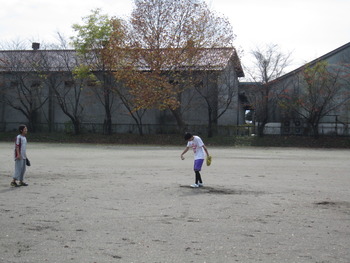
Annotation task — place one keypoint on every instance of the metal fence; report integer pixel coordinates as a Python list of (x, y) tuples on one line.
[(324, 129), (242, 130), (329, 129)]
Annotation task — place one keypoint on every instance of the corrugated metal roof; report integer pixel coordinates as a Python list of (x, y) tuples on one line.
[(62, 60), (313, 62)]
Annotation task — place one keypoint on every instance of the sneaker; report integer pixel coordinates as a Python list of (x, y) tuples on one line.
[(23, 184), (194, 185), (14, 184), (200, 185)]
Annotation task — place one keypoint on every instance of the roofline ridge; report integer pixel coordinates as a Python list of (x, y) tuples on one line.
[(314, 61)]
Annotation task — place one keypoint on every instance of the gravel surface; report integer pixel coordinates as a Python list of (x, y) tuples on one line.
[(99, 203)]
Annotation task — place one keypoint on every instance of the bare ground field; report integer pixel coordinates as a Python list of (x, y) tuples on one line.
[(99, 203)]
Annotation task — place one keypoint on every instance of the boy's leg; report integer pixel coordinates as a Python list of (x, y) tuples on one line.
[(198, 178), (16, 174), (20, 168), (197, 168), (23, 170)]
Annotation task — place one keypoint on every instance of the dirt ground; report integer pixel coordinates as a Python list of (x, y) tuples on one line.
[(98, 203)]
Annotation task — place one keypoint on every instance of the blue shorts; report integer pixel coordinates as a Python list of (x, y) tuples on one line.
[(198, 164)]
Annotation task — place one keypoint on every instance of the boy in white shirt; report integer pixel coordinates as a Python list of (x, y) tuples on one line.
[(20, 157), (199, 150)]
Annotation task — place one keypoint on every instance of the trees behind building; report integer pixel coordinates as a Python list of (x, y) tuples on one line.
[(148, 62)]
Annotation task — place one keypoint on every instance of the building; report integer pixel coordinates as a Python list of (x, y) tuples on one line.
[(40, 88), (299, 105)]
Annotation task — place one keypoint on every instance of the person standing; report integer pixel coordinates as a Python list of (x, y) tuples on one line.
[(199, 150), (20, 157)]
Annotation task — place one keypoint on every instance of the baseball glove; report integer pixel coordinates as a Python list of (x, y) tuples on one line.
[(208, 160), (27, 162)]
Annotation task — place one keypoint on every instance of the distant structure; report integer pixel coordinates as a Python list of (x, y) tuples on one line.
[(281, 121), (35, 46), (38, 88)]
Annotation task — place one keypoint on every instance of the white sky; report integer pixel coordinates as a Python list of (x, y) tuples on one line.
[(307, 28)]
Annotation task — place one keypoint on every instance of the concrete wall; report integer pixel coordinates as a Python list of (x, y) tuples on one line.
[(193, 106)]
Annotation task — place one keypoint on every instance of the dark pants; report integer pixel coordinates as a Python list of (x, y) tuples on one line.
[(198, 178)]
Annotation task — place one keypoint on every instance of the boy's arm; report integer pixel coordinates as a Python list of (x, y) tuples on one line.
[(206, 150), (185, 151), (18, 144), (18, 153)]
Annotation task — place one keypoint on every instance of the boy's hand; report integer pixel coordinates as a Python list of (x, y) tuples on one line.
[(182, 157)]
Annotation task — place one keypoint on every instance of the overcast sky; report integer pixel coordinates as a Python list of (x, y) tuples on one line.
[(307, 28)]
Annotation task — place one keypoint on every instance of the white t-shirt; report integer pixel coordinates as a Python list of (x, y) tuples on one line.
[(197, 145), (21, 141)]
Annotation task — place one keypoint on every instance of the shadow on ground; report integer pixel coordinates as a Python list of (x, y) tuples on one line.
[(221, 190)]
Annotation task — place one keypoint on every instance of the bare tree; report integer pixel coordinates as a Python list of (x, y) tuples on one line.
[(128, 102), (269, 63), (65, 84), (22, 87), (218, 89), (317, 91)]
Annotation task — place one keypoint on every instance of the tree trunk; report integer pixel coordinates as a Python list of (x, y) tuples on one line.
[(77, 127), (107, 124), (315, 131), (139, 126), (178, 117), (210, 123), (32, 121), (261, 128)]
